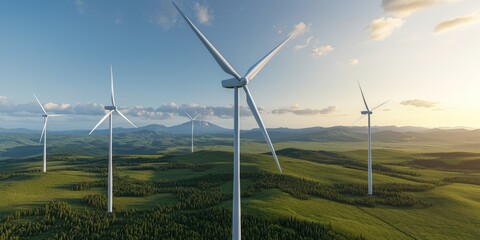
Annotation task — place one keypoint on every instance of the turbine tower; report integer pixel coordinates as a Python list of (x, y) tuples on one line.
[(192, 120), (369, 112), (45, 116), (109, 115), (239, 82)]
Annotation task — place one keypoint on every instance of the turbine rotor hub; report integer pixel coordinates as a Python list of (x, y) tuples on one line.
[(243, 81)]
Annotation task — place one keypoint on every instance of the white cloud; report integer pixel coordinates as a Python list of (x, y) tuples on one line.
[(381, 28), (88, 109), (419, 103), (204, 15), (3, 100), (354, 61), (300, 28), (301, 46), (404, 8), (297, 110), (166, 16), (164, 111), (170, 110), (57, 107), (453, 23), (322, 50)]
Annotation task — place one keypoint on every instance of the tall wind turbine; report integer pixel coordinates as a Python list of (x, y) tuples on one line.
[(45, 116), (192, 120), (236, 83), (369, 112), (109, 115)]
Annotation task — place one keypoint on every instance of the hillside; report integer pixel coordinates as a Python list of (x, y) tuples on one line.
[(320, 195)]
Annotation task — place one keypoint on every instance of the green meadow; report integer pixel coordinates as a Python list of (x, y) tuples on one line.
[(420, 192)]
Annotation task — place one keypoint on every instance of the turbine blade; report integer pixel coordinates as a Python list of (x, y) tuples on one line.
[(358, 119), (123, 116), (364, 101), (111, 85), (380, 105), (40, 104), (188, 115), (256, 114), (218, 57), (55, 115), (44, 129), (101, 121), (195, 117), (260, 64)]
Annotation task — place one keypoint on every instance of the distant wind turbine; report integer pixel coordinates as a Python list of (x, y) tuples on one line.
[(236, 83), (192, 120), (109, 115), (368, 112), (45, 116)]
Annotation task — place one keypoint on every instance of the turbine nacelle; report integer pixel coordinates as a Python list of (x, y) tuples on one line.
[(366, 112), (110, 108), (44, 115), (234, 83)]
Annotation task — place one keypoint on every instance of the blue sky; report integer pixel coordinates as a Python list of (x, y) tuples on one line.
[(422, 55)]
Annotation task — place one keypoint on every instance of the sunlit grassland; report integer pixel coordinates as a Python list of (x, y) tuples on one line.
[(454, 212)]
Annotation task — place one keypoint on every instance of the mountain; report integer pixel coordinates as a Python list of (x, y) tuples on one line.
[(20, 143), (200, 127), (19, 130), (154, 128)]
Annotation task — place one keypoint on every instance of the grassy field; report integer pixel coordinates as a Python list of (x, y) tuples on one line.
[(440, 210)]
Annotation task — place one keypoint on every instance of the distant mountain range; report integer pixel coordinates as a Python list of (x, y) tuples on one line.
[(20, 143), (338, 133), (184, 128)]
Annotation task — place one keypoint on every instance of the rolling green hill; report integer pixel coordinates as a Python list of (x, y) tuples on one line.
[(322, 193)]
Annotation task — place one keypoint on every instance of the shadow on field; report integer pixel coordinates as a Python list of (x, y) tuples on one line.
[(21, 151)]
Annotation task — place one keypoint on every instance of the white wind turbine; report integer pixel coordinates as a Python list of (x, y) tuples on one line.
[(109, 114), (45, 116), (192, 120), (368, 112), (236, 83)]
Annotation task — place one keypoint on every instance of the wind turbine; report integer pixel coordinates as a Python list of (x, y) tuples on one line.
[(45, 116), (192, 120), (369, 112), (236, 83), (109, 115)]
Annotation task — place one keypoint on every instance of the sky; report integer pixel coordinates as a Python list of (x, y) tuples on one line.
[(422, 56)]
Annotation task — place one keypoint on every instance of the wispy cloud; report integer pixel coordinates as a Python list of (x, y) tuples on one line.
[(419, 103), (453, 23), (381, 28), (80, 4), (322, 50), (297, 110), (300, 28), (404, 8), (354, 61), (301, 46), (203, 13), (166, 15), (118, 18)]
